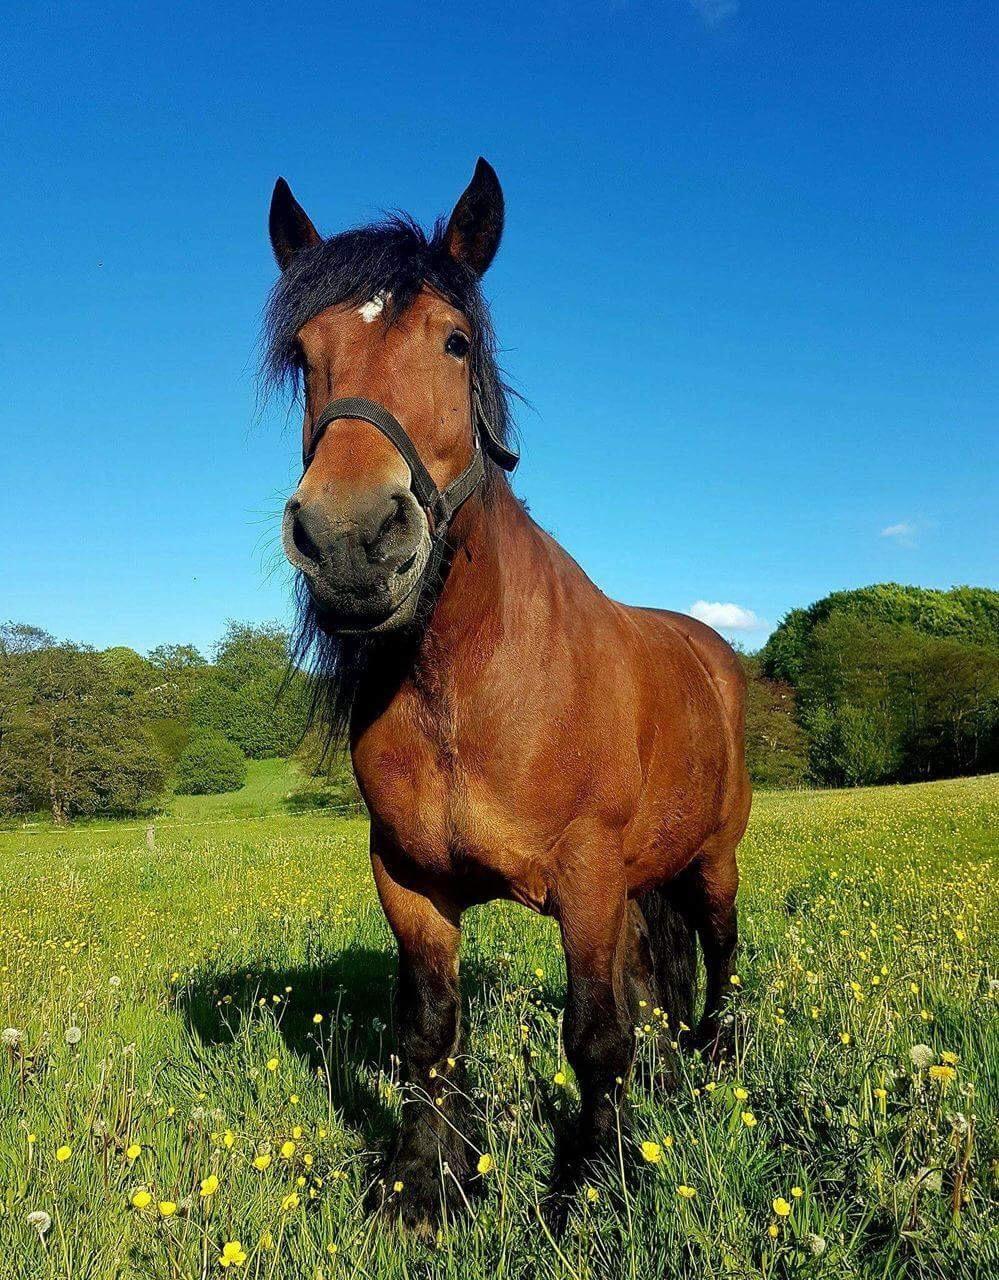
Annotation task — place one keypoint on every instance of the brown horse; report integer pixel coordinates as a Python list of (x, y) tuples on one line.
[(514, 732)]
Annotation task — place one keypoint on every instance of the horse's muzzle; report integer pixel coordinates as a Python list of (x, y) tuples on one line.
[(362, 567)]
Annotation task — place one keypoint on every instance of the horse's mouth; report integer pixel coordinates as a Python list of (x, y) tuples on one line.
[(393, 607)]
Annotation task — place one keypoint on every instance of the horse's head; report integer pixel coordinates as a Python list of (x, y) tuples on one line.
[(391, 317)]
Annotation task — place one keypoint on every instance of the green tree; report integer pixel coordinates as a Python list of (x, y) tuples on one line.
[(210, 764), (776, 746), (71, 745)]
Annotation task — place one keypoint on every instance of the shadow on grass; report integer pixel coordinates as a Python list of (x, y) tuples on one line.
[(354, 992)]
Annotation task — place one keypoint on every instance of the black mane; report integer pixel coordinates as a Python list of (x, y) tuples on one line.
[(395, 257)]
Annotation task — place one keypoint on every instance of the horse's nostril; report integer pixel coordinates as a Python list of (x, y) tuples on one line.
[(303, 542)]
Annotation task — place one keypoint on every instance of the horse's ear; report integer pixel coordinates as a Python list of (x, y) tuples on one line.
[(290, 226), (476, 226)]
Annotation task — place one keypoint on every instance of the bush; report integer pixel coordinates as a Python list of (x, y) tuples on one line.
[(210, 764)]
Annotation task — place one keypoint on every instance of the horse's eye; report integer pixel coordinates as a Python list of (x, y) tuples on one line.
[(457, 345)]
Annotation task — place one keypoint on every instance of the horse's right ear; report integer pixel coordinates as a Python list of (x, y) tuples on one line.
[(290, 226)]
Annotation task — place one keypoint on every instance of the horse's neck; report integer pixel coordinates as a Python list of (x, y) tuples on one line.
[(490, 571)]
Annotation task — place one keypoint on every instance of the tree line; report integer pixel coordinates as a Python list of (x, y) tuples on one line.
[(882, 684), (86, 732)]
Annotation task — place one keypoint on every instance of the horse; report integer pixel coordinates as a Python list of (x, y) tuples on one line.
[(514, 732)]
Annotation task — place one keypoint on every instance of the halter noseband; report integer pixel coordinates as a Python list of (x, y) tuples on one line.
[(439, 505)]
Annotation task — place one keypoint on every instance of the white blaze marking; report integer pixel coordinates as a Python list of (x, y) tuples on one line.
[(373, 309)]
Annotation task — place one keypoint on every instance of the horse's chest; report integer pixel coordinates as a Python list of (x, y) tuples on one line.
[(446, 819)]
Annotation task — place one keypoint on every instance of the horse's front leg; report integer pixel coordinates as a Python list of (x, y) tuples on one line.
[(429, 1166), (598, 1030)]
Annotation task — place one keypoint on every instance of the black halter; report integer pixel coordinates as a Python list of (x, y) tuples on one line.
[(440, 505)]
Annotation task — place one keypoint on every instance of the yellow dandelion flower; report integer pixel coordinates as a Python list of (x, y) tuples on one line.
[(652, 1152), (773, 1231), (950, 1058), (233, 1254), (141, 1198), (167, 1208), (133, 1152), (749, 1120), (559, 1078), (943, 1074), (485, 1163), (592, 1195), (685, 1192), (782, 1207), (209, 1185), (272, 1064), (287, 1149), (398, 1185), (741, 1093), (844, 1037), (797, 1193), (228, 1139), (289, 1202), (261, 1162)]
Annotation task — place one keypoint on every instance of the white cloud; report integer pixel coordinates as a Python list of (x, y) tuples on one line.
[(725, 617), (714, 12), (902, 534)]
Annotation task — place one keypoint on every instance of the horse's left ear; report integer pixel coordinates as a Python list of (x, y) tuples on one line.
[(476, 226)]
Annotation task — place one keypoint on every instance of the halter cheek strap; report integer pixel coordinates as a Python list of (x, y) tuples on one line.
[(440, 505)]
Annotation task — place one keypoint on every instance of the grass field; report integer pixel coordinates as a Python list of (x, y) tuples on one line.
[(170, 1093)]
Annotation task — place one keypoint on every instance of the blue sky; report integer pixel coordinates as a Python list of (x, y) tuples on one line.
[(746, 286)]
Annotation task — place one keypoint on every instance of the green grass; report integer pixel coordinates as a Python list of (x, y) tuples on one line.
[(269, 785), (870, 930)]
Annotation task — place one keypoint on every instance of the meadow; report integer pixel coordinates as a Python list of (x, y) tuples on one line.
[(196, 1070)]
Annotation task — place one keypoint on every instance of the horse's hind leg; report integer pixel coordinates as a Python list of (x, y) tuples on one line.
[(430, 1162), (711, 885)]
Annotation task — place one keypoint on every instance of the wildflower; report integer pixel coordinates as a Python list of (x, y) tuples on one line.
[(40, 1220), (539, 973), (740, 1093), (796, 1193), (232, 1255), (267, 1241), (485, 1164), (141, 1198), (652, 1152), (942, 1074), (114, 981), (559, 1078), (921, 1055), (209, 1186), (782, 1207), (289, 1202), (685, 1192), (167, 1208), (951, 1059), (287, 1149), (228, 1138), (881, 1094), (272, 1064), (133, 1152), (749, 1120), (816, 1244), (735, 980), (73, 1035), (317, 1018), (261, 1162), (592, 1195), (63, 1153), (844, 1037), (773, 1231), (398, 1185)]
